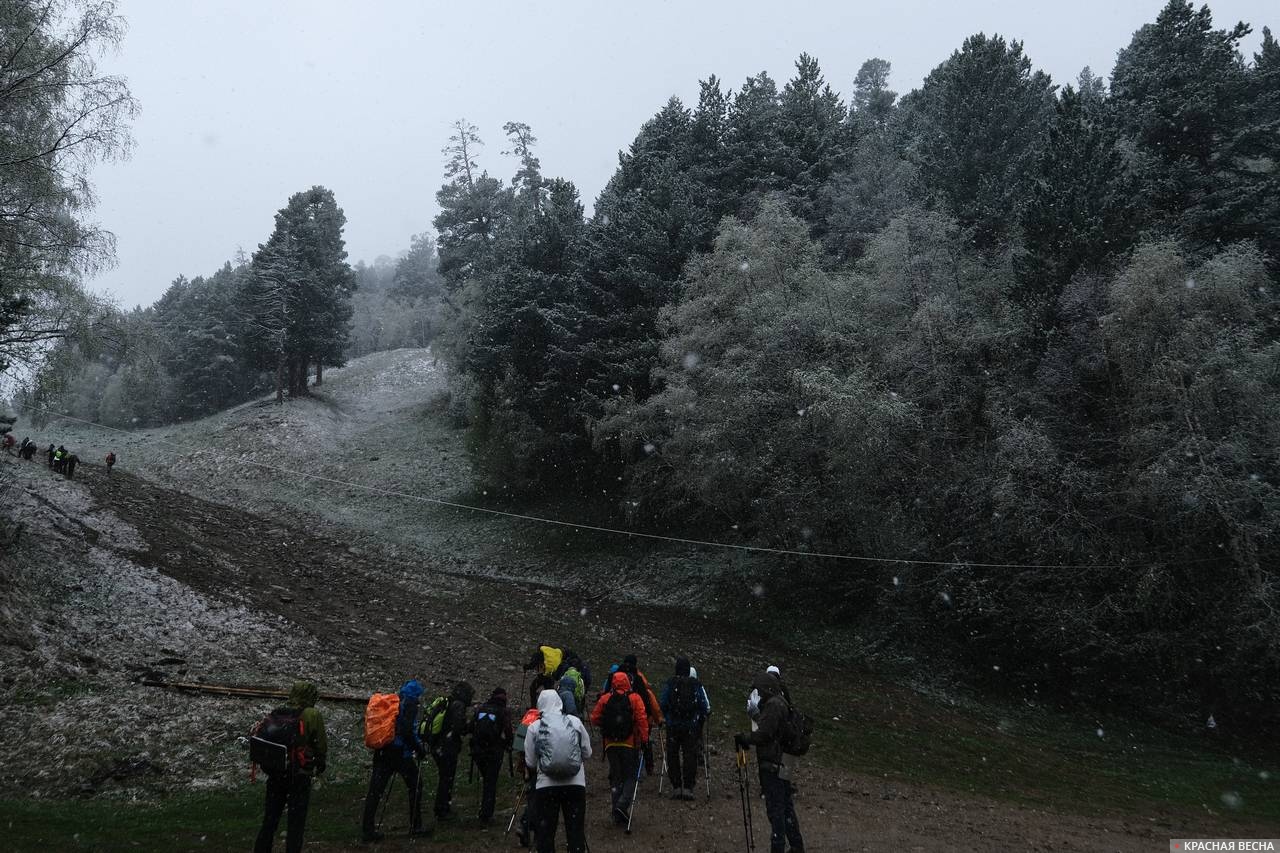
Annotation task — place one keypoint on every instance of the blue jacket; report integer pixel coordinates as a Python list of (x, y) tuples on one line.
[(701, 706), (407, 740)]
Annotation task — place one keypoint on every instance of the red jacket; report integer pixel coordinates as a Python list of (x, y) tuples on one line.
[(640, 728)]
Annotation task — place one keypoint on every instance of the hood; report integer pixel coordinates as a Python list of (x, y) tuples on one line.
[(630, 664), (549, 700), (411, 691), (682, 667), (620, 681), (462, 692), (767, 685), (303, 694), (693, 672), (498, 696)]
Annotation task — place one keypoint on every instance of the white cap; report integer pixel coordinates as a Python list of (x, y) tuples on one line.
[(693, 672), (775, 671)]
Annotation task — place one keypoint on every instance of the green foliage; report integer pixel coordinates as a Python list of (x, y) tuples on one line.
[(977, 125)]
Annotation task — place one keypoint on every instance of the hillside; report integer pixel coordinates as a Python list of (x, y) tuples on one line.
[(197, 560)]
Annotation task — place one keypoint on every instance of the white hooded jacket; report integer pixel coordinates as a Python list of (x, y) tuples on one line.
[(552, 713)]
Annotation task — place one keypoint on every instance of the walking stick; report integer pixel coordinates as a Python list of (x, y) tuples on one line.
[(519, 799), (706, 761), (744, 789), (663, 775), (635, 794)]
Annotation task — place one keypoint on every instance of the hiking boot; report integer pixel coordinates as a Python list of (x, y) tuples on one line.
[(522, 838), (677, 793), (688, 794)]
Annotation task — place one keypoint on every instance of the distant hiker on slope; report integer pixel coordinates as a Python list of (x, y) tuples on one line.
[(556, 749), (448, 746), (69, 465), (59, 457), (290, 787), (624, 726), (400, 756), (111, 462), (8, 442), (775, 776), (51, 453), (685, 706), (491, 738)]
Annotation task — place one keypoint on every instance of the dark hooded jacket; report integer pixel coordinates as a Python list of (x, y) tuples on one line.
[(457, 719), (767, 739), (675, 719), (302, 697)]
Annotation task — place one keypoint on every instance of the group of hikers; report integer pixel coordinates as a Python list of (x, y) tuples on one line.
[(548, 745), (60, 459)]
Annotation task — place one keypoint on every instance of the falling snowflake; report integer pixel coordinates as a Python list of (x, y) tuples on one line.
[(582, 612), (691, 360), (1101, 733), (946, 598), (650, 449), (1190, 283), (895, 580), (758, 590), (745, 266), (616, 388), (1232, 800)]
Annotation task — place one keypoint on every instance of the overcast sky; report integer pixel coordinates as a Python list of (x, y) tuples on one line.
[(245, 102)]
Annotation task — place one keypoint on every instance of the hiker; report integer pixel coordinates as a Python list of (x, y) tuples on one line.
[(545, 664), (685, 706), (624, 726), (701, 738), (111, 461), (753, 700), (292, 790), (491, 738), (775, 776), (402, 756), (51, 453), (572, 684), (448, 745), (69, 465), (651, 705), (556, 749), (8, 443), (530, 778), (59, 456)]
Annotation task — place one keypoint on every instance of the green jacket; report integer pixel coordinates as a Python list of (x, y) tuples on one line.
[(315, 743)]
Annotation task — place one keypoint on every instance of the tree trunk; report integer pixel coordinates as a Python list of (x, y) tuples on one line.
[(280, 379), (319, 373)]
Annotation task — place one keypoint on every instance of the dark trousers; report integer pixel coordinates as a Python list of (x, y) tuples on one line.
[(624, 762), (779, 805), (282, 792), (682, 758), (549, 803), (384, 768), (446, 770), (490, 767)]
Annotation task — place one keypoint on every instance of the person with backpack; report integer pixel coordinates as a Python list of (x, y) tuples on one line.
[(491, 738), (530, 717), (111, 461), (651, 705), (447, 746), (556, 749), (624, 725), (59, 456), (545, 665), (51, 452), (69, 465), (299, 728), (401, 756), (685, 706), (775, 777)]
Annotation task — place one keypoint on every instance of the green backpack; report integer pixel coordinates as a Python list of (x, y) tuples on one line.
[(432, 724)]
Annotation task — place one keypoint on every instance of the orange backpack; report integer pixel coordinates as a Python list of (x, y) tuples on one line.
[(380, 720)]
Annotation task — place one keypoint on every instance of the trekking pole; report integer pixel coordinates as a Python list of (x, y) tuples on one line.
[(744, 790), (663, 775), (519, 799), (706, 761), (635, 793)]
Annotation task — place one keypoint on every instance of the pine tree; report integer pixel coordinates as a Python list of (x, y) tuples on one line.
[(812, 133), (978, 123)]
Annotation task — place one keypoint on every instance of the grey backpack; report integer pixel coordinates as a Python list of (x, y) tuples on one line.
[(558, 748)]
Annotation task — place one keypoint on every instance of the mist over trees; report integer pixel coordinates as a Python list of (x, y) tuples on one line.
[(993, 321)]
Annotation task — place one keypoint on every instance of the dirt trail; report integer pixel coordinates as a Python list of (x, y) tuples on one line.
[(375, 617)]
